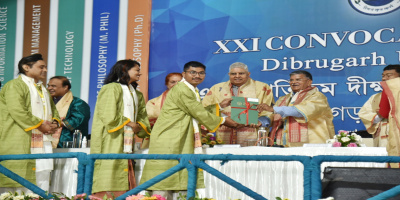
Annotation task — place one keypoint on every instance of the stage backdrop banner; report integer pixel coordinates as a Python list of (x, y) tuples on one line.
[(104, 45), (344, 44), (36, 28), (8, 18), (70, 42), (138, 38)]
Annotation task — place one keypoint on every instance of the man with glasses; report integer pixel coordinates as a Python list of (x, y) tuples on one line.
[(240, 85), (177, 130), (375, 124), (302, 116)]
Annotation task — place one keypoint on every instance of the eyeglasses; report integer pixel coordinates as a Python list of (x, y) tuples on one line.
[(194, 73)]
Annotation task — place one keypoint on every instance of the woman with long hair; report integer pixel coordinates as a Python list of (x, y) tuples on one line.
[(119, 114)]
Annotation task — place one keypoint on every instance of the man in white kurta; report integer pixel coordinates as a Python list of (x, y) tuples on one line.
[(241, 85), (302, 116), (369, 115)]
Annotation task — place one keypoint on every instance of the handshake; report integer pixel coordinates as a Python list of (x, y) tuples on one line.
[(48, 127)]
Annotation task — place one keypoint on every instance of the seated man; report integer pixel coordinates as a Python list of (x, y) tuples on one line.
[(375, 124), (74, 112), (241, 85), (302, 116)]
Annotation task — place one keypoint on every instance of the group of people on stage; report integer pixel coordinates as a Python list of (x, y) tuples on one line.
[(35, 119)]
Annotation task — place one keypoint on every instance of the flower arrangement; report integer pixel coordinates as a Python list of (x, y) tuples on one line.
[(32, 196), (132, 197), (211, 140), (346, 139), (145, 197), (16, 196), (60, 196)]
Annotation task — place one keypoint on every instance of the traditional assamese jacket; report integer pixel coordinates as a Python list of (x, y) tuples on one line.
[(315, 126), (173, 133), (367, 114), (154, 106), (108, 137), (16, 125), (251, 89), (392, 90)]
